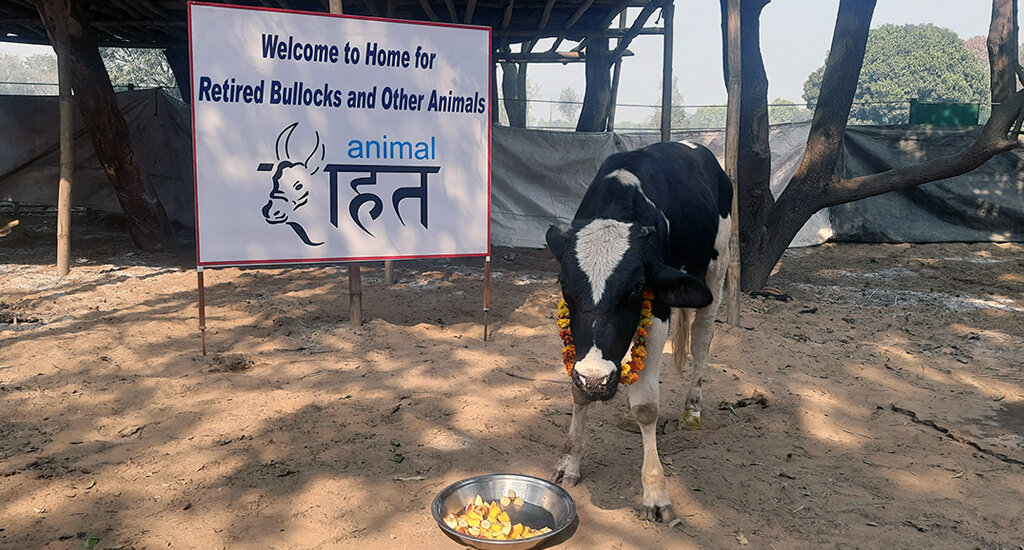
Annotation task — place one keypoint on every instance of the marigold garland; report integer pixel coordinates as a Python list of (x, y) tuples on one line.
[(631, 368)]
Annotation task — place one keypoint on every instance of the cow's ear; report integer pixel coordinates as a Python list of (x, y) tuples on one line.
[(558, 241), (676, 288)]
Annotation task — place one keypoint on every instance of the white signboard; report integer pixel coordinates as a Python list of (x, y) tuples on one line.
[(323, 138)]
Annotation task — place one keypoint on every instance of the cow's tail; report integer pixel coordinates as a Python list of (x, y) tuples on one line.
[(681, 320)]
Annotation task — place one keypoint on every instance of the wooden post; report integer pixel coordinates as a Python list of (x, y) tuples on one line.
[(355, 279), (202, 306), (732, 140), (616, 72), (67, 151), (355, 294), (487, 294), (667, 12), (389, 272), (96, 102)]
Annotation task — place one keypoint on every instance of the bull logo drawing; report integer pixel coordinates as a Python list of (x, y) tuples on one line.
[(293, 179)]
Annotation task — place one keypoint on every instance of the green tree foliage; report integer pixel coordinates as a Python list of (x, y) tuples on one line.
[(35, 69), (783, 110), (137, 68), (569, 104), (712, 116), (678, 114), (906, 62)]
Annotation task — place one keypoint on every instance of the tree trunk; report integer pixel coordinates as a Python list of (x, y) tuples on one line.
[(815, 185), (802, 196), (753, 175), (147, 222), (598, 94), (1002, 49), (515, 103)]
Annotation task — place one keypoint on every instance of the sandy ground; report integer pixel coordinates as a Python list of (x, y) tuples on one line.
[(894, 381)]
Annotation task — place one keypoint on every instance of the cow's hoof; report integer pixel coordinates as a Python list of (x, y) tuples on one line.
[(565, 480), (689, 420), (664, 514)]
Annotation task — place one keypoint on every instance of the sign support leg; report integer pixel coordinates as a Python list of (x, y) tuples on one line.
[(202, 307), (487, 294), (355, 294)]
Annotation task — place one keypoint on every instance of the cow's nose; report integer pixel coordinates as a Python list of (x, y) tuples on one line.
[(596, 388)]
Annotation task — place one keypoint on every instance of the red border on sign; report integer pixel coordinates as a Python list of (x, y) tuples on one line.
[(290, 261)]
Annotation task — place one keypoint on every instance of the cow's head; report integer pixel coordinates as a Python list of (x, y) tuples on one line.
[(605, 265), (292, 178)]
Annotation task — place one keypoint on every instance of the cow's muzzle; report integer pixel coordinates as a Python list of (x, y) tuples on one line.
[(274, 211), (596, 389)]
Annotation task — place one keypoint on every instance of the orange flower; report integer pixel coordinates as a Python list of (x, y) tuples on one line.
[(637, 354)]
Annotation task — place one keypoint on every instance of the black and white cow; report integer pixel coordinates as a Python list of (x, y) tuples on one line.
[(655, 217)]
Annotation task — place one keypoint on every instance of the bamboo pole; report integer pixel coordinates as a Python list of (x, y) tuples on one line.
[(667, 12), (732, 139), (67, 152)]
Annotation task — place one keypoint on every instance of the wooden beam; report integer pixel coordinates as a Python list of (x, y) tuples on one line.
[(732, 142), (546, 57), (67, 150), (579, 13), (635, 29), (425, 5), (546, 16), (666, 71), (508, 14), (616, 72), (572, 21)]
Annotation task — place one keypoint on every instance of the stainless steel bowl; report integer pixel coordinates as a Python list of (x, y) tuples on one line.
[(545, 504)]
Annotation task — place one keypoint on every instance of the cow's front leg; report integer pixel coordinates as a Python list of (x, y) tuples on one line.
[(643, 403), (567, 471)]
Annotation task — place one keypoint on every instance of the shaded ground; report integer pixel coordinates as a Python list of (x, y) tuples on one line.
[(300, 431)]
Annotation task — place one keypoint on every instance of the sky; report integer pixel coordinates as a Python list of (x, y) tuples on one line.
[(795, 36)]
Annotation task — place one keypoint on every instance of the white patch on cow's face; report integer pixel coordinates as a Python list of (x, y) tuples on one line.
[(689, 144), (594, 366), (600, 247)]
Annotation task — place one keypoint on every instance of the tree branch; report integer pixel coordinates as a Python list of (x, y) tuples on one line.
[(998, 135)]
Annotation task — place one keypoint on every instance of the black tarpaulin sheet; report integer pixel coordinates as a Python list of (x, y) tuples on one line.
[(986, 204)]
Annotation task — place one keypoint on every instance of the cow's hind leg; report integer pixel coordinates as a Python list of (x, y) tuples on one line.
[(703, 329), (567, 471), (643, 403)]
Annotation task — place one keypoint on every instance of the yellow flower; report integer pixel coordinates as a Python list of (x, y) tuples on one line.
[(563, 323)]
